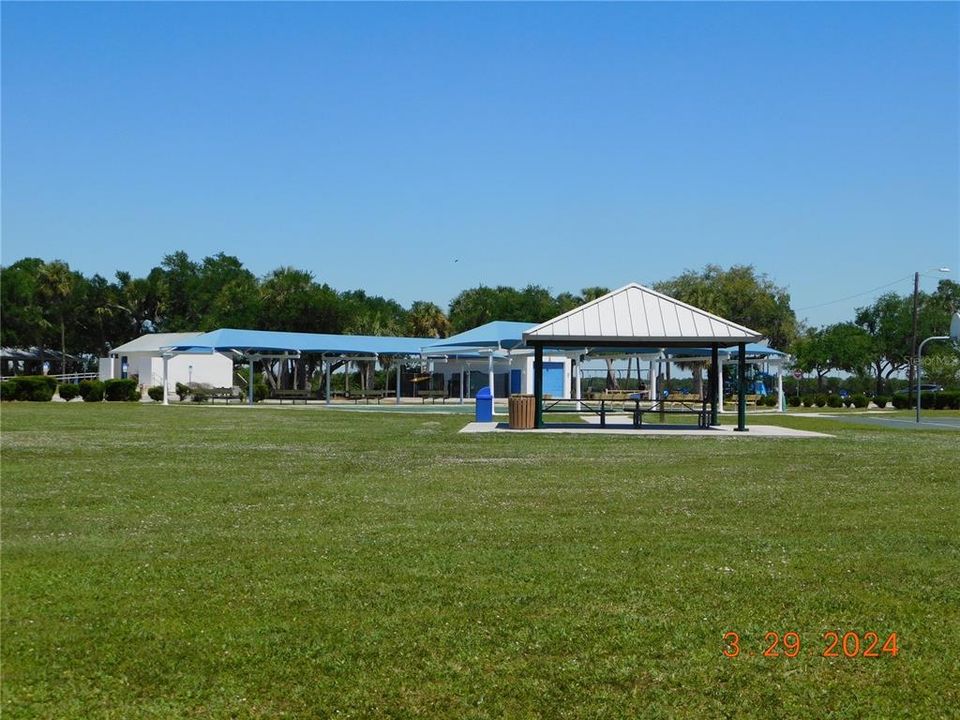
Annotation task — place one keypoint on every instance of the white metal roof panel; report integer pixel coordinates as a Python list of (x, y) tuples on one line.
[(638, 314)]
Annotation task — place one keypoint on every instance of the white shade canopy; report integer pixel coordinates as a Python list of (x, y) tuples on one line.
[(638, 316)]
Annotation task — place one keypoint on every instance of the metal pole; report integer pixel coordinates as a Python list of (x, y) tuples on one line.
[(913, 341), (461, 382), (781, 400), (579, 380), (538, 384), (166, 391), (250, 383), (326, 364), (712, 381), (741, 387), (490, 377), (398, 383)]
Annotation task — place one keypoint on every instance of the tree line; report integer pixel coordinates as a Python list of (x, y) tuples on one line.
[(46, 304)]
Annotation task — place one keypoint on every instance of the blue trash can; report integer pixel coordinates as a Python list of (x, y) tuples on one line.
[(484, 411)]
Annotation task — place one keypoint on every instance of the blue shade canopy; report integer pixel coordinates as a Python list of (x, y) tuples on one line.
[(500, 334), (267, 341), (755, 350)]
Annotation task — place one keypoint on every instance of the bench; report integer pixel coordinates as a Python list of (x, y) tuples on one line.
[(433, 395), (660, 408), (292, 394), (600, 407), (366, 395), (223, 393)]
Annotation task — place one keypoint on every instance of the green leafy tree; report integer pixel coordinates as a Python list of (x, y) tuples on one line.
[(738, 294), (56, 286)]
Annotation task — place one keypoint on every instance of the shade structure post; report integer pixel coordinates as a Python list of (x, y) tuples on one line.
[(326, 373), (579, 381), (720, 385), (166, 390), (461, 382), (712, 383), (781, 400), (538, 384), (652, 384), (493, 395), (398, 382), (741, 387), (250, 382)]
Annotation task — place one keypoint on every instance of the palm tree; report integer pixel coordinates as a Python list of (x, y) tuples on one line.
[(56, 287), (424, 319)]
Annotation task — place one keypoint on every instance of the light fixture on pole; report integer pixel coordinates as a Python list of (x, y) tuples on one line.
[(954, 336), (916, 316)]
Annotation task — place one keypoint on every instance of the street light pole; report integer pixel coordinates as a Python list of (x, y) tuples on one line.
[(913, 343), (916, 316)]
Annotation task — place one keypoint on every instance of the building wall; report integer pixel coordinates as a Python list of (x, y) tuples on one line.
[(215, 370)]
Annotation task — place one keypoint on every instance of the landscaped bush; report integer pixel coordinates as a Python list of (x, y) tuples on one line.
[(6, 390), (859, 401), (834, 401), (759, 401), (807, 400), (881, 401), (794, 401), (820, 400), (901, 402), (199, 395), (183, 391), (156, 393), (770, 401), (68, 391), (91, 390), (118, 390), (260, 391), (33, 388), (947, 400)]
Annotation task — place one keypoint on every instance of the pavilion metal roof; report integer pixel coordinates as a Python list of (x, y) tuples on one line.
[(154, 342), (268, 341), (635, 315), (500, 334)]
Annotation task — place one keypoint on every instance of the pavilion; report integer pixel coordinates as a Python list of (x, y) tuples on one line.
[(634, 318)]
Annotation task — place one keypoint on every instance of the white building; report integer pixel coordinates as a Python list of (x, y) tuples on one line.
[(143, 359)]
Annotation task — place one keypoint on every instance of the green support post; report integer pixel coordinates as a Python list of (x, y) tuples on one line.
[(538, 385), (713, 383), (741, 387)]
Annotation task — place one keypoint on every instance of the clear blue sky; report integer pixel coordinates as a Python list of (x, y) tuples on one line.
[(565, 145)]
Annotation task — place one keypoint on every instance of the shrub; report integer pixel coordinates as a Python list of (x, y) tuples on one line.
[(199, 395), (156, 393), (121, 390), (860, 400), (900, 402), (770, 401), (91, 390), (183, 391), (834, 401), (68, 391), (759, 401), (6, 390), (820, 400), (260, 391), (33, 388), (946, 400), (794, 401), (881, 401), (807, 400)]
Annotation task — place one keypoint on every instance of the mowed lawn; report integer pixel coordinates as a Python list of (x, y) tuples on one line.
[(226, 562)]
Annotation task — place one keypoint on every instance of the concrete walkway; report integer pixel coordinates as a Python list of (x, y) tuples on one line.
[(592, 427)]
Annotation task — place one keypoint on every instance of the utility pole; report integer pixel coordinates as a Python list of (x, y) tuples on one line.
[(913, 343)]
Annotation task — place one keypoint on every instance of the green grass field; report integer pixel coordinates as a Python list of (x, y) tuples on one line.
[(194, 562)]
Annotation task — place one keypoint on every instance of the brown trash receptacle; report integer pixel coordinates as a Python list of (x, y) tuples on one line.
[(521, 412)]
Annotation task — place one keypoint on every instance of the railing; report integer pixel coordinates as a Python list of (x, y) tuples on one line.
[(65, 378)]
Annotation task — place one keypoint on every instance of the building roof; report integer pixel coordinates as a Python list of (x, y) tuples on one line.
[(153, 342), (500, 334), (269, 341), (638, 316)]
